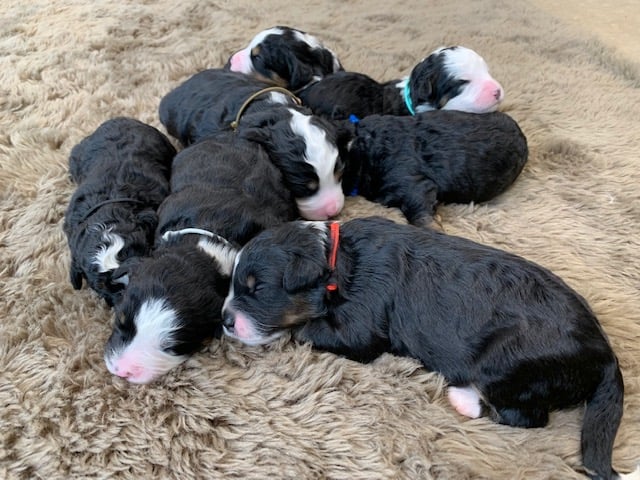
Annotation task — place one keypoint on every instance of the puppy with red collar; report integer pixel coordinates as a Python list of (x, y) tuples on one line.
[(512, 339)]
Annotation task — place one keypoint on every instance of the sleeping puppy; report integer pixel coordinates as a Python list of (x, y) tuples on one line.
[(304, 147), (450, 78), (512, 339), (123, 173), (285, 56), (442, 156), (224, 190)]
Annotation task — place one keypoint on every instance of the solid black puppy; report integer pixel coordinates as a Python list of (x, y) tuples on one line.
[(441, 156), (451, 78), (224, 190), (511, 338), (123, 174), (285, 56), (304, 147)]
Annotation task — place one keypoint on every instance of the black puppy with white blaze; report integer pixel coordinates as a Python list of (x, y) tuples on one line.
[(450, 78), (123, 173), (303, 146), (285, 56), (442, 156), (512, 339), (224, 190)]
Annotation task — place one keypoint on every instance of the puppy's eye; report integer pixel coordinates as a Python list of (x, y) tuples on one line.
[(255, 51), (312, 185)]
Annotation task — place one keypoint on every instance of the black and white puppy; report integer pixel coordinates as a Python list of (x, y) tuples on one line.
[(123, 173), (303, 146), (224, 190), (450, 78), (285, 56), (512, 339), (415, 162)]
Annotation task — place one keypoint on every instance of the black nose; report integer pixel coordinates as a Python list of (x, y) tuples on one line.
[(227, 319)]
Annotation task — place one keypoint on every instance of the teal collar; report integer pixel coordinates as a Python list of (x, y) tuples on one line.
[(407, 98)]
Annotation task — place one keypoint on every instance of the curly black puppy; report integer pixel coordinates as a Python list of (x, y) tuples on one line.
[(303, 146), (449, 78), (512, 339), (224, 190), (123, 173), (442, 156)]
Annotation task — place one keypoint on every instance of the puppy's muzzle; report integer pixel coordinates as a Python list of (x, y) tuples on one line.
[(228, 320)]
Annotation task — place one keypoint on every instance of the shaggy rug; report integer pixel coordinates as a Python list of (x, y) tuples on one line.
[(286, 411)]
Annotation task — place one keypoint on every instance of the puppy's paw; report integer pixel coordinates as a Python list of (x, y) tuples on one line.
[(465, 400)]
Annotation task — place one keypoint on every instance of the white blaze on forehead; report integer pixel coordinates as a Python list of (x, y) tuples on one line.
[(230, 295), (259, 38), (144, 358), (106, 258), (319, 152), (322, 155), (465, 63)]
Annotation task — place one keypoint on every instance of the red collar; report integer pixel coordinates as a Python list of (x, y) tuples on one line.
[(334, 231)]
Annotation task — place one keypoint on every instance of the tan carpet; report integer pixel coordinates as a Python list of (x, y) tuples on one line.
[(286, 411)]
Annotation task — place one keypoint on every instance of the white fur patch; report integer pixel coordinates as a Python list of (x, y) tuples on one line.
[(281, 98), (224, 253), (144, 358), (106, 256), (465, 400), (230, 295), (322, 155)]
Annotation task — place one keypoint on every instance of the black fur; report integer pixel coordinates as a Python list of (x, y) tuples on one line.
[(123, 174), (223, 185), (414, 163), (479, 316), (283, 59), (208, 102)]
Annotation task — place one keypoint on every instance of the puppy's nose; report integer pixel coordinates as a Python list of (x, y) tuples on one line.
[(228, 319), (498, 94)]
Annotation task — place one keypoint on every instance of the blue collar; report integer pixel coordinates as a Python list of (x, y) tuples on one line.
[(407, 98)]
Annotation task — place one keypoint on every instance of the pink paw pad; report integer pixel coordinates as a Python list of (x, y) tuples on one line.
[(465, 400)]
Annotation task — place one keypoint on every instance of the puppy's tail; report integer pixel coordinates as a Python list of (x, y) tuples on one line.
[(600, 425)]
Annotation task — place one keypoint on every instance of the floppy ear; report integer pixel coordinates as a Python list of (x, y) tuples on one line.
[(76, 275), (422, 80), (302, 273), (301, 73)]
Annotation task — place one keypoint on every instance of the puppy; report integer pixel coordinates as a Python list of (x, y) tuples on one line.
[(123, 174), (304, 147), (414, 163), (224, 190), (512, 339), (285, 56), (450, 78)]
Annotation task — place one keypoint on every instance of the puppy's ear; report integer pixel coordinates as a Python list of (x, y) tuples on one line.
[(149, 221), (76, 275), (423, 79), (302, 273)]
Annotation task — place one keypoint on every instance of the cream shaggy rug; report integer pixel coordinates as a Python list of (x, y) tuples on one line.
[(285, 411)]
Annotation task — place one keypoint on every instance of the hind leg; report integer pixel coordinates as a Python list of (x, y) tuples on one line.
[(465, 400)]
